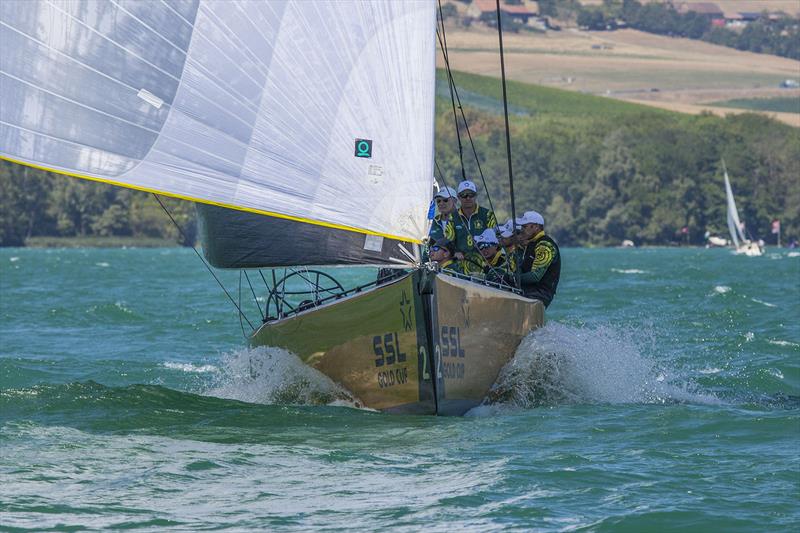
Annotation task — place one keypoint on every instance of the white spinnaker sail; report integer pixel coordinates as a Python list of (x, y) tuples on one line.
[(247, 104), (734, 226)]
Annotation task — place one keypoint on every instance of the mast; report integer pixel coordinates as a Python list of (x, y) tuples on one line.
[(508, 133)]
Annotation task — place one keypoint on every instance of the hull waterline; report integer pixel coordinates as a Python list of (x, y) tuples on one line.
[(426, 343)]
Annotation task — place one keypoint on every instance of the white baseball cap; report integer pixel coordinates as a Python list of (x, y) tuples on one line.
[(506, 230), (467, 185), (445, 192), (530, 217), (487, 237)]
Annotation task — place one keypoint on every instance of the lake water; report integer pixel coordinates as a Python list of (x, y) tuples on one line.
[(661, 395)]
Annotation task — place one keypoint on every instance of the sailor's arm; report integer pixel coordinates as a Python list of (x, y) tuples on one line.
[(491, 220)]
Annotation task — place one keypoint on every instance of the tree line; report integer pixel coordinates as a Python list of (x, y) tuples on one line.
[(655, 179), (34, 203), (623, 172), (779, 37)]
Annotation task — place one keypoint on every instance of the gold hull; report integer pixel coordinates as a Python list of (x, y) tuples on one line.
[(426, 343)]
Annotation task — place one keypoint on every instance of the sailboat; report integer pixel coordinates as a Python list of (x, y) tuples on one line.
[(304, 133), (741, 244)]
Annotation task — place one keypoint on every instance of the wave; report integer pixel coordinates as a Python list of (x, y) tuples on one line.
[(560, 364), (116, 312), (270, 375), (628, 271), (783, 343), (190, 368)]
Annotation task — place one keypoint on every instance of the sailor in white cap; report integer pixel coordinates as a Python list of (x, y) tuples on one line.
[(509, 242), (471, 219), (531, 224), (494, 260), (541, 259), (443, 226)]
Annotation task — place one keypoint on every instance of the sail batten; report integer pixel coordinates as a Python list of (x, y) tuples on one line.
[(258, 107)]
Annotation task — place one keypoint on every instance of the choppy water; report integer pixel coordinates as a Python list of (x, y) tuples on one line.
[(662, 395)]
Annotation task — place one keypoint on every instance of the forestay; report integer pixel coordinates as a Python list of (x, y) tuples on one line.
[(316, 112)]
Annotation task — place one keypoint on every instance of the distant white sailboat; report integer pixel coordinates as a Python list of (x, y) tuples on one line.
[(741, 244)]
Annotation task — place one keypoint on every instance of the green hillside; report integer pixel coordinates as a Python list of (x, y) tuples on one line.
[(600, 170), (782, 104), (540, 100)]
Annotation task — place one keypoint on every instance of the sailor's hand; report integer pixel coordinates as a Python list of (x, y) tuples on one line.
[(459, 256)]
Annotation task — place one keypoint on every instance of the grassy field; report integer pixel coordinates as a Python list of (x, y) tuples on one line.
[(778, 104), (679, 74), (485, 92)]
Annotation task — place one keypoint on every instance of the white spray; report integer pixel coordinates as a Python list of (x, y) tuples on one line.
[(559, 364), (275, 376)]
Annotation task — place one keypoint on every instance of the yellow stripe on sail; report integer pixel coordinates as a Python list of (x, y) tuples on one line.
[(210, 202)]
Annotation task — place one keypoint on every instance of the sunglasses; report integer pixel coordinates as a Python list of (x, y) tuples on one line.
[(467, 195), (436, 248), (485, 245), (442, 200)]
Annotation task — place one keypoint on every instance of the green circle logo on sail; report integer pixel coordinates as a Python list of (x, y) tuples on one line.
[(363, 147)]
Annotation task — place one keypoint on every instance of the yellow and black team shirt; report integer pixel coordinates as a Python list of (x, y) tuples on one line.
[(511, 256), (541, 268), (467, 227), (443, 227), (467, 266), (495, 268)]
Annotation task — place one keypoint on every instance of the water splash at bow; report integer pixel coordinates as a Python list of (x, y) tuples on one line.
[(560, 364), (271, 375)]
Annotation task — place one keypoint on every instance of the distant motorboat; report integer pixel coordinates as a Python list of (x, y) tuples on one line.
[(627, 243), (741, 244)]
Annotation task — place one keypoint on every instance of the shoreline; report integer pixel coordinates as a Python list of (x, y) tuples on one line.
[(100, 242), (154, 242)]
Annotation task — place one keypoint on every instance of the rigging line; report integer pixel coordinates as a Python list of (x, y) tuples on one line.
[(208, 267), (255, 298), (266, 286), (240, 302), (508, 132), (464, 119), (452, 98)]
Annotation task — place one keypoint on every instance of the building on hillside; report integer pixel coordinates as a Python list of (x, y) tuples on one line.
[(486, 12), (709, 9), (743, 18), (735, 20), (750, 16)]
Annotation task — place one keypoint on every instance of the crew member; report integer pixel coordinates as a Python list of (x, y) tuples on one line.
[(443, 226), (494, 261), (442, 253), (509, 241), (541, 259), (470, 220)]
